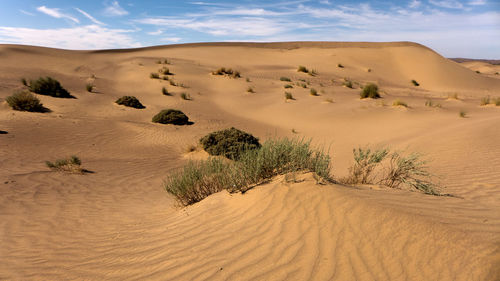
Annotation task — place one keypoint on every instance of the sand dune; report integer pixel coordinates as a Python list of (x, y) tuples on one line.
[(118, 223)]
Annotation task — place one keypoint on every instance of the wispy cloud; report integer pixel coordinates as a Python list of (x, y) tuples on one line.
[(114, 9), (87, 37), (94, 20), (477, 2), (414, 4), (449, 4), (26, 13), (171, 39), (54, 12)]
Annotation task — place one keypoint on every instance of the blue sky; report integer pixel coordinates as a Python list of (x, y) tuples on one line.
[(454, 28)]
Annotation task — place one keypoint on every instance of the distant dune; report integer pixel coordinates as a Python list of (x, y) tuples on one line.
[(117, 223)]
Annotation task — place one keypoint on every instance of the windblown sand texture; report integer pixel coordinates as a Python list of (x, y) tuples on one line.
[(118, 223)]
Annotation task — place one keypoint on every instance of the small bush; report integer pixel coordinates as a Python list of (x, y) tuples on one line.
[(71, 165), (229, 72), (313, 92), (288, 86), (165, 71), (313, 72), (340, 65), (288, 96), (172, 82), (171, 116), (154, 75), (24, 82), (165, 78), (415, 83), (130, 101), (250, 90), (496, 102), (302, 69), (347, 83), (49, 87), (25, 101), (165, 92), (185, 96), (399, 103), (485, 101), (197, 180), (89, 88), (370, 91), (366, 161), (286, 79), (248, 80), (230, 143), (462, 113)]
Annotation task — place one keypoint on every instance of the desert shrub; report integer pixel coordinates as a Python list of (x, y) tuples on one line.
[(24, 82), (313, 72), (288, 86), (430, 103), (250, 90), (158, 61), (165, 78), (185, 96), (370, 91), (399, 102), (485, 101), (165, 71), (25, 101), (347, 83), (130, 101), (197, 180), (247, 79), (286, 79), (89, 88), (165, 92), (171, 116), (230, 143), (229, 72), (478, 72), (49, 87), (288, 96), (302, 69), (172, 82), (415, 83), (340, 65), (329, 100), (71, 165), (496, 102), (462, 113), (366, 161), (154, 75), (313, 92)]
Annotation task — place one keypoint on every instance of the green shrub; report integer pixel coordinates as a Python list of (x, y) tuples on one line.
[(370, 91), (130, 101), (288, 96), (154, 75), (288, 86), (415, 83), (302, 69), (462, 113), (171, 116), (197, 180), (185, 96), (49, 87), (89, 88), (485, 101), (25, 101), (230, 143), (71, 165), (286, 79), (165, 92), (347, 83), (313, 92), (366, 161)]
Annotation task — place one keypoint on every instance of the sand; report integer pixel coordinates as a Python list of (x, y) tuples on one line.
[(117, 223)]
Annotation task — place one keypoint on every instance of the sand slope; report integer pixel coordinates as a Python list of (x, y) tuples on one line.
[(117, 223)]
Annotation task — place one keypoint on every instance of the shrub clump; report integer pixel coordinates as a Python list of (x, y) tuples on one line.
[(25, 101), (49, 87), (288, 96), (347, 83), (197, 180), (171, 116), (288, 86), (370, 91), (415, 83), (230, 143), (130, 101), (229, 72), (285, 79), (302, 69), (313, 92), (71, 165), (399, 102)]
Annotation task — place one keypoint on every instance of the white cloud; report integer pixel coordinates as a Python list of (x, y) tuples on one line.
[(158, 32), (79, 38), (449, 4), (477, 2), (414, 4), (325, 2), (171, 39), (54, 12), (114, 9), (94, 20), (26, 13)]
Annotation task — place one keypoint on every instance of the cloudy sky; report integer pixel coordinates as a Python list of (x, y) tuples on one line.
[(454, 28)]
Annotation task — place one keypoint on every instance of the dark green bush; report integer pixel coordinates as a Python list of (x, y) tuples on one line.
[(229, 143), (25, 101), (370, 91), (171, 116), (130, 101), (302, 69), (165, 92), (286, 79), (288, 86), (49, 87)]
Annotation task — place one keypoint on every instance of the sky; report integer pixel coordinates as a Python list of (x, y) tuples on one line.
[(454, 28)]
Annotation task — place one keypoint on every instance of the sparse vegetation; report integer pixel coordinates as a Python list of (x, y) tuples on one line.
[(496, 102), (288, 86), (478, 72), (25, 101), (89, 88), (313, 92), (399, 102), (165, 71), (250, 90), (130, 101), (171, 116), (24, 82), (329, 100), (462, 113), (453, 96), (154, 75), (302, 69), (248, 80), (347, 83), (165, 92), (286, 79), (370, 91), (430, 103), (415, 83), (172, 82), (185, 96), (485, 101), (288, 96), (340, 65), (230, 143), (229, 72), (313, 72), (197, 180), (366, 161), (71, 164), (48, 86)]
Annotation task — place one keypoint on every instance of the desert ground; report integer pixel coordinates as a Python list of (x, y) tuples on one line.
[(118, 222)]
